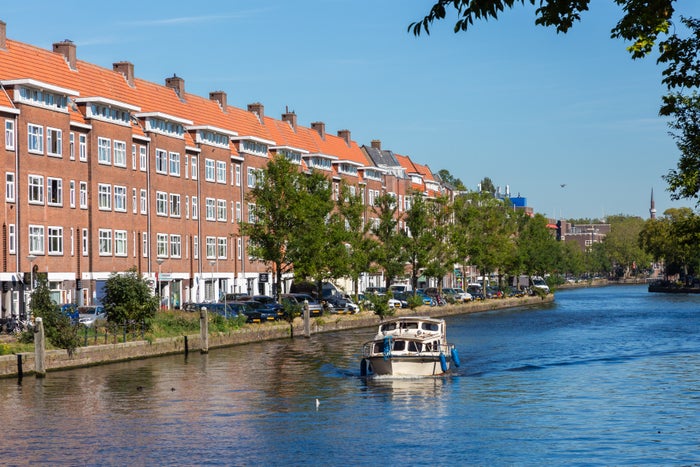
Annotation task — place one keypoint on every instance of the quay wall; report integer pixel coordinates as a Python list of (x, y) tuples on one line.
[(108, 353)]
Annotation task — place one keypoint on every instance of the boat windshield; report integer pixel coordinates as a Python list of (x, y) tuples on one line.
[(430, 327)]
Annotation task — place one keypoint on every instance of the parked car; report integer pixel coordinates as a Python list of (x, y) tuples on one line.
[(475, 291), (315, 307), (402, 298), (427, 300), (459, 295), (88, 315), (270, 304), (71, 310), (259, 312)]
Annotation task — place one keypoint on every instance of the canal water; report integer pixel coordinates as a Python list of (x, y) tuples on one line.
[(604, 376)]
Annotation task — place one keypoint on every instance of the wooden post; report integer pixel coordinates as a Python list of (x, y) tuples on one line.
[(187, 347), (39, 349), (307, 319), (204, 329)]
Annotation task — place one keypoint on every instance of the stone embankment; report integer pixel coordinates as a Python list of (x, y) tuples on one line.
[(23, 364)]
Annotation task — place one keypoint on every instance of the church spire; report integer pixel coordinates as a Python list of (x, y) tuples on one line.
[(652, 208)]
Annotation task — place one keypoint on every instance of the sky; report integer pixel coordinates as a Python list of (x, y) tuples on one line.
[(570, 122)]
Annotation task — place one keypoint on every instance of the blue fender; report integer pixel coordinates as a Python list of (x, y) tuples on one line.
[(455, 357), (443, 362)]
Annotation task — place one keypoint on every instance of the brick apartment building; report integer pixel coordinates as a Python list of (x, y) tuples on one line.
[(104, 172)]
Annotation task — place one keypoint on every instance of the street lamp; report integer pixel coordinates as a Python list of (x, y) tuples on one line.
[(160, 261)]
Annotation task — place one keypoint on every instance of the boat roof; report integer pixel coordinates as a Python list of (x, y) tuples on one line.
[(413, 318)]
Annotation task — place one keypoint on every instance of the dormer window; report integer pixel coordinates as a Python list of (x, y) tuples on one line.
[(107, 110), (293, 156), (212, 136), (347, 169), (373, 174), (254, 147), (416, 179), (43, 98), (167, 125), (39, 94)]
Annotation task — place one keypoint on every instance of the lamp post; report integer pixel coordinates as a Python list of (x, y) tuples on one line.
[(160, 261), (31, 259)]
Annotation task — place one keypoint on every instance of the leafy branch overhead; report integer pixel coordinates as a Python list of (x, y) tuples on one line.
[(644, 25)]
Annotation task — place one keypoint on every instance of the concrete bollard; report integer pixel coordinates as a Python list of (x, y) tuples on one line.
[(307, 319), (204, 329), (39, 349)]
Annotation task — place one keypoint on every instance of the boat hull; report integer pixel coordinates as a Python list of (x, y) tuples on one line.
[(407, 366)]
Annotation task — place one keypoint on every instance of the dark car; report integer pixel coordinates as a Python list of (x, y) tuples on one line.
[(270, 304), (259, 312), (315, 307)]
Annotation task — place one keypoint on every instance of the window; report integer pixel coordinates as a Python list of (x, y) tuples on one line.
[(11, 239), (54, 188), (108, 113), (252, 179), (83, 195), (104, 197), (105, 242), (209, 170), (175, 246), (104, 150), (174, 205), (55, 240), (119, 199), (222, 247), (195, 246), (221, 171), (221, 210), (144, 244), (71, 146), (71, 193), (144, 202), (161, 161), (82, 147), (85, 242), (175, 164), (240, 247), (134, 203), (54, 142), (193, 169), (239, 216), (120, 243), (143, 157), (187, 207), (238, 174), (9, 134), (120, 154), (133, 157), (36, 239), (211, 247), (161, 203), (195, 207), (10, 187), (251, 213), (36, 189), (210, 209), (162, 245), (35, 138)]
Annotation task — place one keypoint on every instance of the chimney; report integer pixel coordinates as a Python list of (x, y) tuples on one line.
[(320, 127), (290, 117), (345, 134), (178, 84), (3, 35), (67, 48), (126, 69), (258, 109), (220, 97), (377, 144)]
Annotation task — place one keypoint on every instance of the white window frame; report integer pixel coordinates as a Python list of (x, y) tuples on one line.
[(210, 204), (175, 206), (55, 240), (11, 239), (54, 142), (120, 243), (10, 187), (161, 245), (221, 210), (35, 139), (104, 197), (175, 246), (82, 147), (119, 153), (195, 208), (210, 170), (85, 243), (174, 164), (54, 191), (83, 195), (144, 201), (161, 161), (104, 151), (220, 172), (193, 168), (35, 189), (104, 241), (143, 157), (119, 198), (36, 239), (161, 203), (10, 135)]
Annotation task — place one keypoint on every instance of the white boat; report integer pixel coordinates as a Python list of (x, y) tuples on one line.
[(409, 347)]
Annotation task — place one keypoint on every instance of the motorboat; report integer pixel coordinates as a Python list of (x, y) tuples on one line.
[(409, 347)]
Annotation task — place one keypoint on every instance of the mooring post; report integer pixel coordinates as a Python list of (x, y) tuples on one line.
[(307, 319), (204, 329), (39, 349), (20, 371), (187, 347)]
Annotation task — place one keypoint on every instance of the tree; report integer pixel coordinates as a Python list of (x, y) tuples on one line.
[(359, 244), (539, 249), (390, 253), (59, 329), (276, 198), (642, 25), (441, 252), (674, 240), (622, 244), (128, 299), (420, 236), (487, 186), (448, 178)]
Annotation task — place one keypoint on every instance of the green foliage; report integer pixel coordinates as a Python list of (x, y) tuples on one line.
[(380, 305), (128, 299), (58, 328), (391, 253), (414, 301), (675, 239)]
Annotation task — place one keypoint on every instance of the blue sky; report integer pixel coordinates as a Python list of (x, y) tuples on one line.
[(508, 100)]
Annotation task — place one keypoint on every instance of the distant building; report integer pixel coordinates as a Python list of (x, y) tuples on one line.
[(585, 235)]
